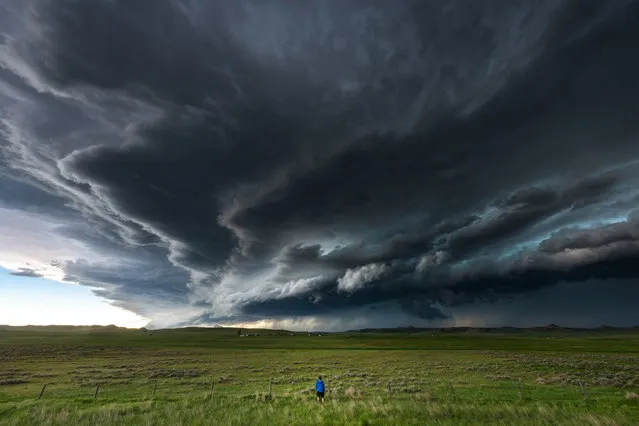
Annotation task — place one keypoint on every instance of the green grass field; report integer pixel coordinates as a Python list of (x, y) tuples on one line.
[(434, 378)]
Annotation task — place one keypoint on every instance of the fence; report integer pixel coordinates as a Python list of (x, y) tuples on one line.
[(438, 390)]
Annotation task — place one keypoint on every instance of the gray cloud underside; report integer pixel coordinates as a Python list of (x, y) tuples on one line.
[(243, 160), (25, 272)]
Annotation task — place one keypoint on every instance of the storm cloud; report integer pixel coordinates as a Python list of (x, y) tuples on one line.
[(322, 163)]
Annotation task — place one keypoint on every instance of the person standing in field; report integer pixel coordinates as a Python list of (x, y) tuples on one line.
[(319, 389)]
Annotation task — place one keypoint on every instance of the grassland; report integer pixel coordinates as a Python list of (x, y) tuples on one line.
[(435, 378)]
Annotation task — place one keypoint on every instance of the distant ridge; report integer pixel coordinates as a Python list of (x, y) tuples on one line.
[(110, 327), (272, 332), (549, 327)]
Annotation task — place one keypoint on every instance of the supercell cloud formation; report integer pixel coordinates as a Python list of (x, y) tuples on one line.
[(326, 164)]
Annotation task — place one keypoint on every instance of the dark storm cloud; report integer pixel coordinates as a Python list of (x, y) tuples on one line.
[(140, 278), (249, 160), (601, 303), (24, 194), (571, 239)]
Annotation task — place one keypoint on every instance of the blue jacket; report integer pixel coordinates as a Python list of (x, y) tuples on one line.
[(319, 386)]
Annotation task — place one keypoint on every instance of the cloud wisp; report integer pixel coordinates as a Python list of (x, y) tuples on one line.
[(233, 162)]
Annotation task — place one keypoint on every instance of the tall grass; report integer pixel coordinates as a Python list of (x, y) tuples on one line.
[(486, 380), (294, 411)]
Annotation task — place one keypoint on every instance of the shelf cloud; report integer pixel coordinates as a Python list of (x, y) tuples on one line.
[(324, 164)]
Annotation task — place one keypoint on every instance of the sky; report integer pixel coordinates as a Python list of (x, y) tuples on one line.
[(28, 301), (319, 165)]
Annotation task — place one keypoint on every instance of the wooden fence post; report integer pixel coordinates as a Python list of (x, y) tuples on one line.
[(583, 389), (211, 393), (42, 391), (270, 389), (452, 391), (521, 394), (97, 388), (155, 388), (390, 390)]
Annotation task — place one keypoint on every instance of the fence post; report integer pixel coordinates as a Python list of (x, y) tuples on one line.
[(452, 391), (521, 394), (211, 393), (155, 387), (270, 389), (42, 391), (390, 390), (97, 388), (583, 389)]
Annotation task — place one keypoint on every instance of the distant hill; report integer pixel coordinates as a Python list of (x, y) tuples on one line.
[(247, 332), (67, 328), (549, 327)]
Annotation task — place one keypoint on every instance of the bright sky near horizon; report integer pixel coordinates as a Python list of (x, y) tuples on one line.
[(38, 301)]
